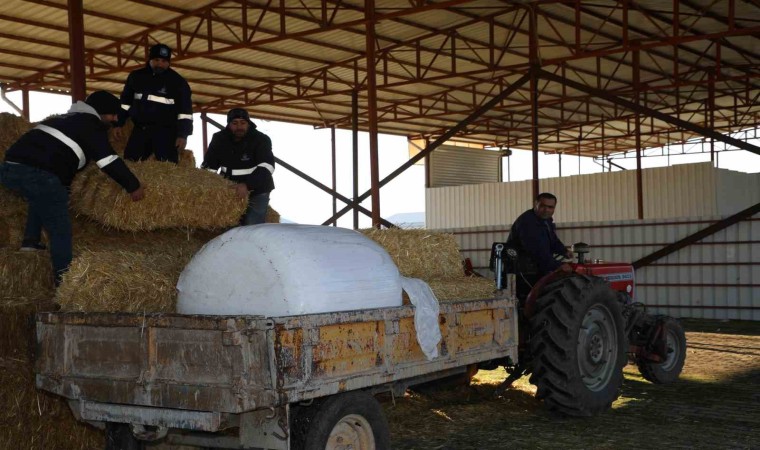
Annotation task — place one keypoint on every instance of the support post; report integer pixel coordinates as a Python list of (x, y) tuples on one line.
[(355, 153), (204, 128), (637, 136), (374, 168), (334, 178), (76, 50), (25, 104)]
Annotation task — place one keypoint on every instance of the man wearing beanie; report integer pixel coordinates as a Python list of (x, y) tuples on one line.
[(158, 100), (43, 162), (244, 155)]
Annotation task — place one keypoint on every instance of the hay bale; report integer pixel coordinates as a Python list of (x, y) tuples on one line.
[(120, 143), (12, 218), (175, 197), (420, 253), (187, 158), (462, 288), (25, 274), (121, 281), (12, 127), (30, 418), (272, 215)]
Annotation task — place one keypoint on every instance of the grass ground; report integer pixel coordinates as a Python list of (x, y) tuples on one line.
[(716, 404)]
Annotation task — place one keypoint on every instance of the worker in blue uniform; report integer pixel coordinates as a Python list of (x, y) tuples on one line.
[(159, 102), (243, 154), (43, 162)]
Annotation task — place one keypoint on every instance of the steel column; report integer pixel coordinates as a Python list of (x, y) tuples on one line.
[(25, 103), (355, 149), (334, 179), (204, 128), (440, 140), (534, 66), (637, 136), (374, 168), (76, 50)]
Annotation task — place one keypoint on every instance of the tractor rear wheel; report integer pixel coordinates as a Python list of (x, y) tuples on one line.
[(669, 370), (577, 346)]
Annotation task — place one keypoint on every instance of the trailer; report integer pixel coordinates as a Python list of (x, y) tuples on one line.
[(304, 381)]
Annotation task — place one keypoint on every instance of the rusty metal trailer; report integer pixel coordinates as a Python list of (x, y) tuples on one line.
[(246, 381)]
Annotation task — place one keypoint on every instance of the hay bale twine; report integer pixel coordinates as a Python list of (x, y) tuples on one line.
[(175, 197), (12, 127), (420, 253)]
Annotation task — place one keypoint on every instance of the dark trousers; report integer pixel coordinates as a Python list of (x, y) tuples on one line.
[(257, 209), (147, 140), (48, 203)]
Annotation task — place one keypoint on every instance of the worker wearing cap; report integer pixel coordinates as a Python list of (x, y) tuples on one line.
[(158, 100), (243, 154), (43, 162)]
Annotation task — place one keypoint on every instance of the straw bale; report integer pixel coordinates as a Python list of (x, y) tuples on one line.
[(462, 288), (175, 197), (120, 143), (12, 127), (32, 419), (12, 218), (25, 274), (272, 215), (122, 281), (420, 253), (187, 158)]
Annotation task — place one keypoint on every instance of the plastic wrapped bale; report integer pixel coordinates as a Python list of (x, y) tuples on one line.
[(280, 270)]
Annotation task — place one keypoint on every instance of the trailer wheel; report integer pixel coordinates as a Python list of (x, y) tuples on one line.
[(353, 420), (669, 370), (578, 346), (120, 437)]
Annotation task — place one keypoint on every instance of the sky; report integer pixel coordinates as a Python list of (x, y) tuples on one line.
[(309, 150)]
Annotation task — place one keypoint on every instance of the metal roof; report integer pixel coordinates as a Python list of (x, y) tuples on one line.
[(436, 62)]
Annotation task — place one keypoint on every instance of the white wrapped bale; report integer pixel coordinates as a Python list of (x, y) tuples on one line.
[(282, 269)]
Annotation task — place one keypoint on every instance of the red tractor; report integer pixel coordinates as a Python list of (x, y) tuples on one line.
[(578, 330)]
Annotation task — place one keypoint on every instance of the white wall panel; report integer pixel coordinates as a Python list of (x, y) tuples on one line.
[(703, 280), (687, 190)]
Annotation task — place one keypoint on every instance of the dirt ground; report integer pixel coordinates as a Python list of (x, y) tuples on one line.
[(716, 404)]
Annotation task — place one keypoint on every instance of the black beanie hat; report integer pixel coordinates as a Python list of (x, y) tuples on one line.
[(103, 102), (161, 51), (237, 113)]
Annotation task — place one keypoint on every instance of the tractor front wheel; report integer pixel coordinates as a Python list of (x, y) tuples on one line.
[(577, 346), (667, 371)]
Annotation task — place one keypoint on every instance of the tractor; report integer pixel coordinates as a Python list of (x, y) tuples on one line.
[(577, 331)]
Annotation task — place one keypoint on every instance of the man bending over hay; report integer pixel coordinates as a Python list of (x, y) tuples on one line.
[(44, 161)]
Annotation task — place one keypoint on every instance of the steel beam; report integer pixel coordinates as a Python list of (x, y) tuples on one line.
[(650, 112), (440, 140)]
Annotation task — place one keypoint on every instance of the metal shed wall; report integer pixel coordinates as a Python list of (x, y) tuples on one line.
[(716, 278), (687, 190), (456, 166)]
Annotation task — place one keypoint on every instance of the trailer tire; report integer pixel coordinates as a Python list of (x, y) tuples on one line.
[(669, 370), (354, 418), (120, 437), (577, 346)]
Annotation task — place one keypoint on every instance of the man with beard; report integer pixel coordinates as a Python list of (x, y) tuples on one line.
[(43, 162), (159, 102), (244, 155)]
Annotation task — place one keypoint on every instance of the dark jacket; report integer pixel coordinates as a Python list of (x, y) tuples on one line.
[(536, 239), (63, 145), (248, 161), (157, 99)]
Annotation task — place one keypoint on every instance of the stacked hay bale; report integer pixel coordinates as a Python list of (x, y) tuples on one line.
[(175, 196), (434, 258), (112, 270), (119, 143)]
